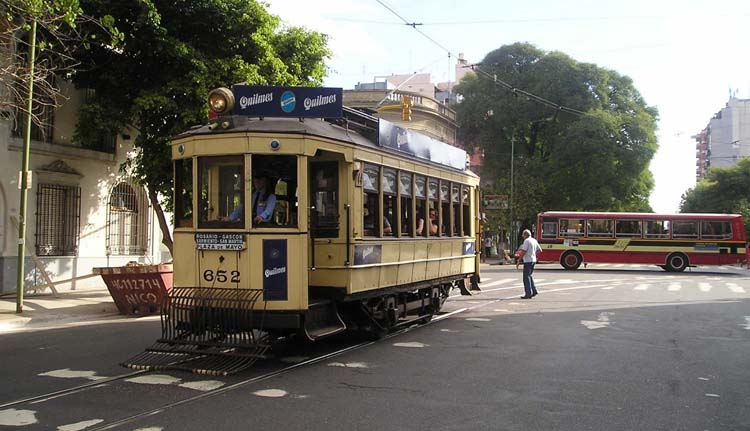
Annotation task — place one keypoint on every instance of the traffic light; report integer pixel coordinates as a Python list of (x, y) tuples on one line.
[(406, 108)]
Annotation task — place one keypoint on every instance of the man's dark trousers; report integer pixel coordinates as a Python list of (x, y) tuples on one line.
[(528, 283)]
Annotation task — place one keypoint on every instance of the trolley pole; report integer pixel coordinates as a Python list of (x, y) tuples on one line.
[(24, 175)]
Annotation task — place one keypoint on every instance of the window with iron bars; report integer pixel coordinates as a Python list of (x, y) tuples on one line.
[(127, 221), (58, 216)]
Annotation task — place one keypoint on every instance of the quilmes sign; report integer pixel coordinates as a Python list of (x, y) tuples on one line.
[(296, 102)]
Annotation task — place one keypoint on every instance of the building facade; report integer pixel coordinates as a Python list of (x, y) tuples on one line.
[(82, 212), (726, 139)]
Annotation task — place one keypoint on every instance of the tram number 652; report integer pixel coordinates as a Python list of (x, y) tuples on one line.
[(221, 275)]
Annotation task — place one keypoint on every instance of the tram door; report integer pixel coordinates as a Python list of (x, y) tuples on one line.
[(328, 220)]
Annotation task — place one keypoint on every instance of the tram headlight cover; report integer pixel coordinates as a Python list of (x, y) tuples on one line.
[(221, 101)]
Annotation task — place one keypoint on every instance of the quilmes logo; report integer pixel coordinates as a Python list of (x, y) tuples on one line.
[(320, 100), (275, 271), (255, 99), (288, 101)]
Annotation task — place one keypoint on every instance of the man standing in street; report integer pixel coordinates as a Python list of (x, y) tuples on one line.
[(528, 251)]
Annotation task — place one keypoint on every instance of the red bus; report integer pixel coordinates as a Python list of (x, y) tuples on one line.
[(671, 241)]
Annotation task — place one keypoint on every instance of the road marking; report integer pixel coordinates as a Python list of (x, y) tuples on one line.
[(734, 287), (642, 286), (80, 425), (412, 344), (674, 287), (747, 323), (713, 395), (17, 418), (202, 385), (478, 319), (497, 283), (602, 321), (349, 364), (155, 379), (704, 287), (67, 373), (270, 393)]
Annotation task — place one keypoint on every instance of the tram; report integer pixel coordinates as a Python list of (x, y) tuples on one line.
[(295, 215)]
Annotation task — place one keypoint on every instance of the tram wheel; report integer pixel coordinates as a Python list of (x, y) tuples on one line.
[(571, 260), (676, 262)]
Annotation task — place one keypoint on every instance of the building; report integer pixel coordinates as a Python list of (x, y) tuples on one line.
[(726, 139), (82, 211)]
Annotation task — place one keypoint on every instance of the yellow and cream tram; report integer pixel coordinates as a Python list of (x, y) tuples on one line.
[(294, 214)]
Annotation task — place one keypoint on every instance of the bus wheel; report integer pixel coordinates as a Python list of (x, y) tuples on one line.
[(676, 262), (571, 260)]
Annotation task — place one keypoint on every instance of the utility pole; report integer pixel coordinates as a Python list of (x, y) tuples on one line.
[(24, 175), (511, 234)]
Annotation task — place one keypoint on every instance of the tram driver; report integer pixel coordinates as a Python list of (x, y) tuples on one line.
[(263, 200)]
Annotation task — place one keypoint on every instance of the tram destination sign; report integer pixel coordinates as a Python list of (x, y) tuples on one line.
[(295, 102), (220, 241)]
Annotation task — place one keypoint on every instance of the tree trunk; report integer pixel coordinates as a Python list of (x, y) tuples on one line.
[(163, 225)]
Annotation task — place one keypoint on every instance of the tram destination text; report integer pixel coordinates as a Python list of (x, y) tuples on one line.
[(220, 241)]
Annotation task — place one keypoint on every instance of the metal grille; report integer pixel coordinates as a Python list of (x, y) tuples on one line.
[(127, 221), (58, 216)]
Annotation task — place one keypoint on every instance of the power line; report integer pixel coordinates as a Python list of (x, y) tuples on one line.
[(528, 95)]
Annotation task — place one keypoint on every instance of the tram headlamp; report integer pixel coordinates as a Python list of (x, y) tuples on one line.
[(221, 101)]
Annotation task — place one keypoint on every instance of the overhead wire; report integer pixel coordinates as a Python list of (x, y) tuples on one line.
[(493, 77)]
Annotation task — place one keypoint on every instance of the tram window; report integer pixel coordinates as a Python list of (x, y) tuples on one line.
[(222, 191), (599, 228), (445, 209), (716, 230), (407, 212), (183, 193), (549, 230), (324, 188), (456, 209), (389, 202), (627, 228), (432, 196), (370, 175), (571, 228), (465, 203), (684, 229), (420, 194), (657, 229), (274, 197)]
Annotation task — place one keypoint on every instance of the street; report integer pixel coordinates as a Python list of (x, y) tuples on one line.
[(606, 347)]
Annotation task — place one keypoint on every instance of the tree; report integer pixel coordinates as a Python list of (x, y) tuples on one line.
[(594, 156), (173, 54), (56, 36), (723, 190)]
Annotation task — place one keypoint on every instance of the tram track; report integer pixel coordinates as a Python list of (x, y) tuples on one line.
[(275, 373)]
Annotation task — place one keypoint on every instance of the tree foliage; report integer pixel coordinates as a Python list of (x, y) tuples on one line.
[(173, 53), (723, 190), (563, 161), (57, 34)]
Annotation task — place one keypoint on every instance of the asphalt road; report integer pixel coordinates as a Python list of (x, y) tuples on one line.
[(615, 348)]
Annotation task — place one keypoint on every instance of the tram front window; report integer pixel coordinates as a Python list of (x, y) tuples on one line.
[(222, 194)]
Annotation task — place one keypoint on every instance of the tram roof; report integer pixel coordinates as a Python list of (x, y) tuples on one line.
[(310, 126)]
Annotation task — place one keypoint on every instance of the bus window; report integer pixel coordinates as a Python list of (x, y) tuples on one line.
[(599, 228), (420, 194), (657, 229), (466, 215), (370, 175), (456, 210), (222, 191), (628, 228), (432, 197), (445, 209), (183, 193), (571, 228), (273, 201), (549, 230), (684, 229), (716, 230), (407, 212), (324, 188), (389, 202)]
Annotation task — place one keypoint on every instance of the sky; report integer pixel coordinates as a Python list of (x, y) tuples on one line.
[(683, 56)]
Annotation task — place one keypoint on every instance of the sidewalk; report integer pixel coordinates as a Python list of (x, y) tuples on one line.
[(45, 311)]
